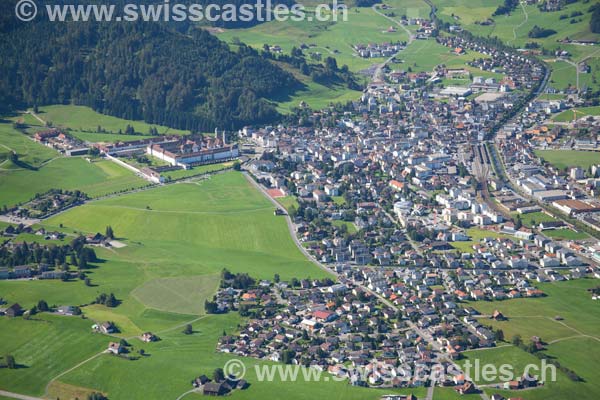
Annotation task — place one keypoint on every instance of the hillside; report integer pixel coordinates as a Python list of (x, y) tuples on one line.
[(137, 71)]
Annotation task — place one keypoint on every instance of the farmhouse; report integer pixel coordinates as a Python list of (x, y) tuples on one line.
[(148, 337), (14, 311), (214, 389), (114, 348)]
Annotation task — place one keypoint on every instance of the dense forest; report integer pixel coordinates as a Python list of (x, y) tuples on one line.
[(151, 71)]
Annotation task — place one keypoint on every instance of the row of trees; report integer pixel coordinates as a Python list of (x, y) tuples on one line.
[(52, 255)]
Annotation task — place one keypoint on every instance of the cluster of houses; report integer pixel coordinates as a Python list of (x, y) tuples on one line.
[(57, 139), (341, 328), (378, 50)]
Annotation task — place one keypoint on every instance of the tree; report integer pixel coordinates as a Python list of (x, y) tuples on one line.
[(276, 278), (595, 21), (218, 375), (188, 330), (96, 396), (109, 232), (42, 306), (87, 282), (518, 222), (10, 362), (211, 307), (499, 335), (517, 341)]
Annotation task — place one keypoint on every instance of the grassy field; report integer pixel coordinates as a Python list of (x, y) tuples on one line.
[(29, 152), (514, 28), (567, 234), (424, 55), (288, 201), (349, 225), (529, 317), (534, 218), (202, 169), (85, 120), (569, 158), (43, 348), (178, 238), (476, 234), (328, 38), (572, 341), (184, 295), (94, 178), (576, 113), (204, 226)]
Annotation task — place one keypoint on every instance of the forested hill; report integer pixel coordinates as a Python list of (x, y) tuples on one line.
[(148, 71)]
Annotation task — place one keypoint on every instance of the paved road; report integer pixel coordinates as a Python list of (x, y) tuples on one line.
[(378, 75)]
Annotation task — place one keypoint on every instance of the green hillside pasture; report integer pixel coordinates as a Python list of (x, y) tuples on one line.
[(535, 316), (564, 75), (363, 26), (94, 137), (94, 178), (179, 295), (425, 55), (569, 158), (80, 118), (466, 13), (198, 228), (28, 151), (44, 347), (520, 22), (410, 8), (177, 358), (576, 354)]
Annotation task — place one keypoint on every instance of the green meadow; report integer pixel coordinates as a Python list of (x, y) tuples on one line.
[(573, 341), (576, 113), (96, 178), (562, 159), (328, 38), (85, 120), (536, 316), (178, 238), (514, 28), (28, 151), (190, 356)]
